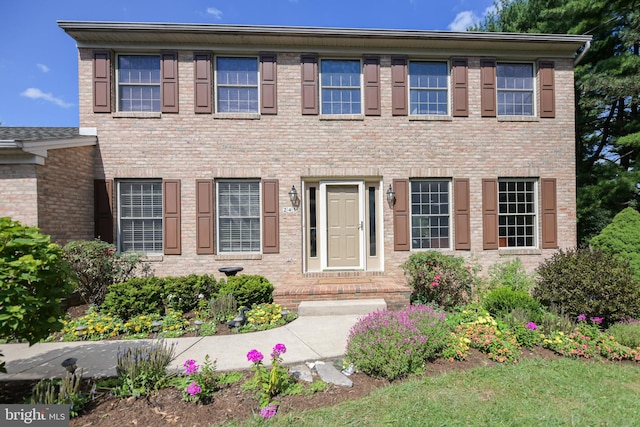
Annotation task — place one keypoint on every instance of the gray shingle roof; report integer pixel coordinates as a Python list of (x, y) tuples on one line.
[(37, 133)]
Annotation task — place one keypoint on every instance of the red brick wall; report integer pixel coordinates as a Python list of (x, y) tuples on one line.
[(65, 194), (288, 146)]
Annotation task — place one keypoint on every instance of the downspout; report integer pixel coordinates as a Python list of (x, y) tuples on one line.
[(587, 46)]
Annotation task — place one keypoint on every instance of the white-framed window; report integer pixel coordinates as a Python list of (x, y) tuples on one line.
[(428, 87), (140, 216), (515, 89), (138, 78), (237, 84), (238, 215), (430, 214), (517, 213), (340, 86)]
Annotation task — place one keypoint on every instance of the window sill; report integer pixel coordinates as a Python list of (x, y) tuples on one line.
[(236, 116), (518, 119), (518, 251), (154, 258), (343, 117), (238, 257), (430, 118), (135, 115)]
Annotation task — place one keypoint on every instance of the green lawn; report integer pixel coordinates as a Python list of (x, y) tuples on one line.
[(534, 392)]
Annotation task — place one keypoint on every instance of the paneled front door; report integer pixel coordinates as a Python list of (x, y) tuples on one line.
[(343, 226)]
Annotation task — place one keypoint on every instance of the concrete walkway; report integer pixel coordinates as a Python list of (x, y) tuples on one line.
[(320, 332)]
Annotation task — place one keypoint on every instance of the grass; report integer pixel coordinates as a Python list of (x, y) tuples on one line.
[(563, 392)]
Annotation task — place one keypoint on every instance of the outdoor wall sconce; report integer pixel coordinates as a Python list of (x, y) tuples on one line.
[(293, 196), (391, 197)]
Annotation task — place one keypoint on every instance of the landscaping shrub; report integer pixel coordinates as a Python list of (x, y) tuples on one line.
[(34, 277), (503, 300), (622, 238), (65, 391), (97, 264), (392, 344), (247, 289), (223, 308), (445, 280), (184, 293), (135, 297), (626, 332), (590, 282), (510, 274), (143, 369)]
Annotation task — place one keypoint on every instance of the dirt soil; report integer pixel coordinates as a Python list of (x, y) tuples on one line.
[(166, 407)]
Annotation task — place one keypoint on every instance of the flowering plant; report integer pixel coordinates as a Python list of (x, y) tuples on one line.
[(201, 380), (272, 382), (269, 411)]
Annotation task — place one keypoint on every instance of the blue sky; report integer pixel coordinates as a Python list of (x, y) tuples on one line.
[(38, 61)]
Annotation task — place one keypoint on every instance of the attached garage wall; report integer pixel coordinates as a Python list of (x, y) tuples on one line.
[(19, 190)]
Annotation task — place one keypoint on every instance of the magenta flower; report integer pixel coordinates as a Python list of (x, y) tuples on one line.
[(435, 284), (532, 326), (190, 367), (582, 318), (269, 411), (596, 319), (278, 350), (193, 389), (254, 356)]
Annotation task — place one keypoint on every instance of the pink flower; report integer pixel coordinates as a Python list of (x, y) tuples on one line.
[(269, 411), (193, 389), (596, 319), (254, 356), (278, 350), (190, 367), (438, 277), (532, 326), (582, 318), (435, 284)]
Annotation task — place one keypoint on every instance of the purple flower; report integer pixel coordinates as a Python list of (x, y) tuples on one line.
[(254, 356), (269, 411), (596, 319), (193, 389), (582, 318), (532, 326), (278, 350), (190, 367)]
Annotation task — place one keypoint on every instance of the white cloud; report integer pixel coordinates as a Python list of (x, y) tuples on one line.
[(217, 13), (35, 93), (43, 68), (463, 20)]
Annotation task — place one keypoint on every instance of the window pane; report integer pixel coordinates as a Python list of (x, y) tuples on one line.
[(139, 83), (340, 80), (140, 205), (428, 87), (238, 216), (237, 85), (517, 215), (429, 214), (515, 89)]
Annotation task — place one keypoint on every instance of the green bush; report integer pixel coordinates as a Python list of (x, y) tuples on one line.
[(97, 264), (589, 282), (142, 295), (143, 369), (626, 333), (622, 238), (185, 292), (445, 280), (510, 274), (247, 289), (393, 344), (503, 300), (33, 278)]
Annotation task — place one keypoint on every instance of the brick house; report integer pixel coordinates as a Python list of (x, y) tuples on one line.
[(322, 158)]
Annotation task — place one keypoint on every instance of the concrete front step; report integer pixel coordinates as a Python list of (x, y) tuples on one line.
[(340, 307)]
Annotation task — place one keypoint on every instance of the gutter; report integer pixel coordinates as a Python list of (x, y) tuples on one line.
[(587, 46)]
